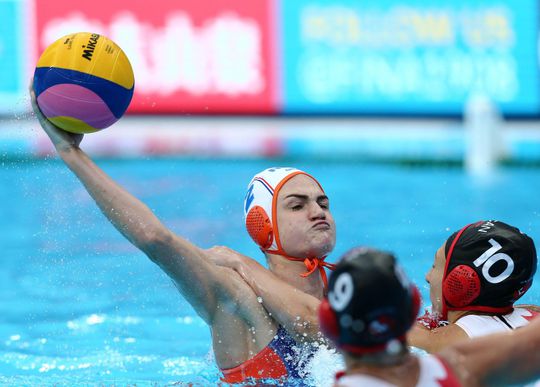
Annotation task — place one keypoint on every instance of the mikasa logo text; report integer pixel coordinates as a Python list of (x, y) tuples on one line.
[(90, 47)]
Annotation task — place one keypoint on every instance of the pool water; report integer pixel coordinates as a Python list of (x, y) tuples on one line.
[(80, 305)]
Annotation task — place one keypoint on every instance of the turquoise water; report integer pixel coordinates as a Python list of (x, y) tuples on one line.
[(80, 305)]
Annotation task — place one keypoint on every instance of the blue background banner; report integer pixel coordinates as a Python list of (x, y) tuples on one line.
[(414, 57), (13, 51), (382, 57)]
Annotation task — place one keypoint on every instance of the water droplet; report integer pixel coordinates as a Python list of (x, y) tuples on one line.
[(259, 300)]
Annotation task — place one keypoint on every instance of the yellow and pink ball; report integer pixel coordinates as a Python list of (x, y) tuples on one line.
[(83, 82)]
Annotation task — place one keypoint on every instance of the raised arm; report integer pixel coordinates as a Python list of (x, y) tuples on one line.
[(197, 278), (508, 358), (295, 310)]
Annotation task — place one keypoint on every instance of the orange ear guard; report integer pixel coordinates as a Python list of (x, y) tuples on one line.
[(259, 227)]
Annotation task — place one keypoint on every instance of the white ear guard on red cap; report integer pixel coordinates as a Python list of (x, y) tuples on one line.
[(259, 206)]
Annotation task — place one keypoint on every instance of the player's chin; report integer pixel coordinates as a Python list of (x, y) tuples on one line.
[(324, 244)]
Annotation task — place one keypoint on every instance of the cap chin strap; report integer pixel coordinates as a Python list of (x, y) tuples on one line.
[(311, 264), (445, 306)]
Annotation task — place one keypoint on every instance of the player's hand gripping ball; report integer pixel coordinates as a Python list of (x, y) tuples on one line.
[(83, 82)]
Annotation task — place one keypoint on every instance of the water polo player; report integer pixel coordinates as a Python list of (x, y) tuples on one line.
[(370, 306), (477, 276), (248, 341)]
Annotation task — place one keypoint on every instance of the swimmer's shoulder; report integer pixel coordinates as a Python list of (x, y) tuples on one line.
[(532, 308)]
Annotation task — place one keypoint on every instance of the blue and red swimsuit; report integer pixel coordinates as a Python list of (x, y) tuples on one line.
[(282, 358)]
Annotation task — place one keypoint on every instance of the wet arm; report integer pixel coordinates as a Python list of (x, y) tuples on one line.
[(185, 263), (436, 339), (199, 280), (502, 359)]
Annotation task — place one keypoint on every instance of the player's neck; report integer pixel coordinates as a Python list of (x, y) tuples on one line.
[(290, 272), (454, 315), (401, 368)]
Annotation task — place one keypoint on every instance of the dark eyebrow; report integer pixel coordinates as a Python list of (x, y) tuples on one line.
[(306, 197), (297, 196)]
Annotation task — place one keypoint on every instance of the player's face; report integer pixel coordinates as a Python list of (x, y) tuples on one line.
[(434, 277), (306, 226)]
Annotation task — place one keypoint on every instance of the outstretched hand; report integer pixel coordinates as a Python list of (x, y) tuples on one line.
[(226, 257), (61, 139)]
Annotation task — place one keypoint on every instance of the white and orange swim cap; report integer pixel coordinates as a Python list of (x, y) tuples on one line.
[(260, 211), (260, 206)]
